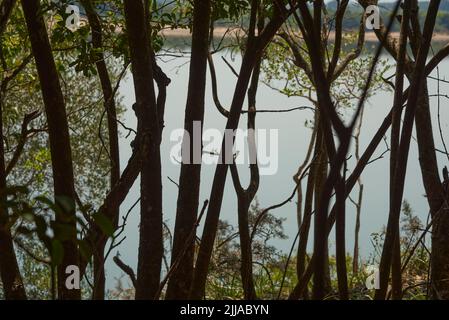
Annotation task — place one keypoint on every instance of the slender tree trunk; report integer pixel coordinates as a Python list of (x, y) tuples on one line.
[(395, 140), (429, 167), (355, 262), (440, 253), (310, 150), (330, 120), (340, 238), (114, 155), (364, 160), (358, 204), (151, 238), (404, 147), (324, 287), (189, 183), (246, 265), (308, 207), (61, 154), (436, 196), (216, 197), (255, 47), (246, 196)]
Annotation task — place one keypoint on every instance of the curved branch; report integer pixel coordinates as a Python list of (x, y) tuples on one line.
[(126, 269), (342, 6), (354, 54), (213, 76)]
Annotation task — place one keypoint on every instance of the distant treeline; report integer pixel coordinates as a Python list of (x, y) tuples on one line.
[(353, 14), (352, 20)]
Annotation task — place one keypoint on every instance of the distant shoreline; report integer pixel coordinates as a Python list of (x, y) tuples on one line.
[(223, 31)]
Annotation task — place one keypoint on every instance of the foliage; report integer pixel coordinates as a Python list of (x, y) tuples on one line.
[(224, 280), (414, 248), (31, 210), (281, 74)]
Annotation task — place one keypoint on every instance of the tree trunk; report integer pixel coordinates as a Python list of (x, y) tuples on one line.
[(151, 246), (61, 154), (325, 286), (246, 196), (436, 197), (416, 88), (216, 197), (305, 226), (359, 203), (114, 155), (254, 49), (246, 265), (440, 254), (308, 205), (395, 141), (189, 183), (340, 238)]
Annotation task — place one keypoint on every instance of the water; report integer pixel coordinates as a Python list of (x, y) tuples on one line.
[(293, 143)]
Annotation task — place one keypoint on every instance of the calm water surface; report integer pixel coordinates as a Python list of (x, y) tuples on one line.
[(293, 142)]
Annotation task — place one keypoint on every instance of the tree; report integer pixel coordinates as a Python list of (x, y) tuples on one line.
[(190, 177), (429, 167), (61, 153), (61, 186), (151, 241), (289, 60), (9, 269), (254, 49)]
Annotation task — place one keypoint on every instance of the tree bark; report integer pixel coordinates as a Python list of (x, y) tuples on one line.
[(366, 156), (308, 207), (190, 177), (359, 203), (426, 146), (395, 141), (322, 287), (254, 49), (114, 155), (437, 198), (151, 247), (61, 154), (340, 238), (403, 151), (246, 196)]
